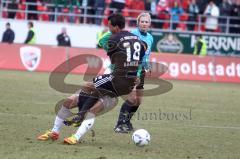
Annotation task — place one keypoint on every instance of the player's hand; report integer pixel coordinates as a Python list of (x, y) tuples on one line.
[(148, 71)]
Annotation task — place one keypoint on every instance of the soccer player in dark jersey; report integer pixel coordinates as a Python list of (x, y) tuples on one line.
[(134, 99), (126, 51)]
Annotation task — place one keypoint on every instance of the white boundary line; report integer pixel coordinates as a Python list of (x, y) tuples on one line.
[(214, 127)]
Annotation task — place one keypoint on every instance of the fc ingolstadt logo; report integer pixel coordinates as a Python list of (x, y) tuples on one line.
[(30, 57)]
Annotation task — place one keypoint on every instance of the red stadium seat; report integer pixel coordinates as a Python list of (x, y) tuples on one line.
[(128, 3), (184, 17), (4, 13), (185, 4), (218, 30), (44, 16), (77, 11), (21, 14), (64, 18), (106, 14), (182, 26), (166, 24), (125, 12)]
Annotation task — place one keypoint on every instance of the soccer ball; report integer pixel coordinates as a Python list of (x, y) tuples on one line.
[(141, 137)]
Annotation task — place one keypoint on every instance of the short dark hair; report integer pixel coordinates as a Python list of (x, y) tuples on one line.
[(8, 24), (117, 19), (30, 23)]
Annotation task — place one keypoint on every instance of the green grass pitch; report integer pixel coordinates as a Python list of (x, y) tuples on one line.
[(195, 120)]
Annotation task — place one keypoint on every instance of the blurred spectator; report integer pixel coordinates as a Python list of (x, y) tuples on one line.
[(21, 10), (193, 11), (70, 9), (31, 37), (88, 9), (202, 4), (8, 35), (12, 6), (75, 9), (153, 12), (185, 4), (135, 5), (218, 2), (212, 14), (66, 9), (118, 5), (50, 8), (162, 12), (64, 17), (41, 7), (176, 12), (200, 46), (63, 39), (148, 5), (153, 7), (225, 10), (59, 5), (183, 25), (235, 20), (32, 9), (106, 13), (171, 3), (4, 11), (99, 7), (91, 11)]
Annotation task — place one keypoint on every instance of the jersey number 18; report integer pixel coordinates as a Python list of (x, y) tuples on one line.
[(136, 54)]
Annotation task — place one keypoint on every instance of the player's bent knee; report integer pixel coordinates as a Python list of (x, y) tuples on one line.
[(134, 101), (69, 103), (108, 104), (131, 101)]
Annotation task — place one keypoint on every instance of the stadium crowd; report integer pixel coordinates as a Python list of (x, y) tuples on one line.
[(192, 15)]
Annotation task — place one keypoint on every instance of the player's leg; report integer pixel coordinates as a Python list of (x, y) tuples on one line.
[(101, 106), (129, 107), (77, 99), (101, 86), (84, 106), (64, 112), (94, 105)]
